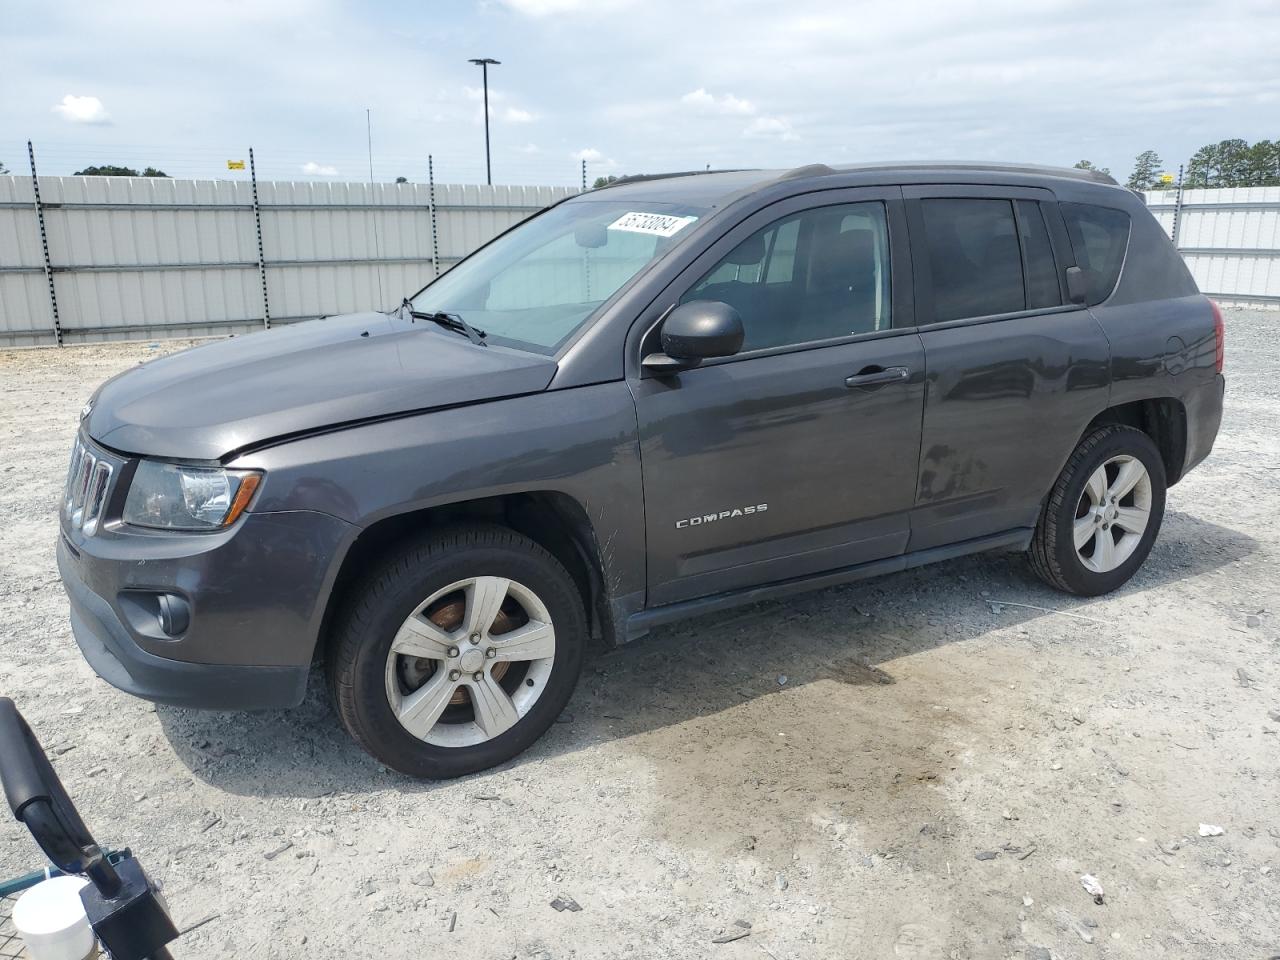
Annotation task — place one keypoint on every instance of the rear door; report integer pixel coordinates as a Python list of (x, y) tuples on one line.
[(1014, 371), (778, 462)]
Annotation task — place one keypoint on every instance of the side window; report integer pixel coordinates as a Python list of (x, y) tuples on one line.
[(1037, 255), (974, 257), (815, 275), (1099, 238)]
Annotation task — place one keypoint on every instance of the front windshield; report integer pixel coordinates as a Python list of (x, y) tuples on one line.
[(534, 287)]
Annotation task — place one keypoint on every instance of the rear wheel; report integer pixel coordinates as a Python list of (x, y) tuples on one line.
[(458, 652), (1103, 514)]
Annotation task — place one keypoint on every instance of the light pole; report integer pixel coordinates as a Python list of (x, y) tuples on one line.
[(483, 63)]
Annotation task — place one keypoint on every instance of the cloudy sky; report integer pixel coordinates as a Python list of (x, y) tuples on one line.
[(631, 85)]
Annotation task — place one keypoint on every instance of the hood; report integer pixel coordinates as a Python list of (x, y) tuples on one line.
[(203, 403)]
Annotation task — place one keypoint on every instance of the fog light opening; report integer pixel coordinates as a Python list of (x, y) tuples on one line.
[(175, 615)]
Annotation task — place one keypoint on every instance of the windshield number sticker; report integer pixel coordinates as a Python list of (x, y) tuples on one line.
[(654, 224)]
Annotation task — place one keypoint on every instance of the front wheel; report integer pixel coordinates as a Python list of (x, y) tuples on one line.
[(1103, 514), (458, 652)]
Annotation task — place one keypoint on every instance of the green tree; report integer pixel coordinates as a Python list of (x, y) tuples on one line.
[(1146, 171), (1087, 165), (1221, 164), (110, 170), (603, 182), (402, 179), (3, 168), (1263, 164)]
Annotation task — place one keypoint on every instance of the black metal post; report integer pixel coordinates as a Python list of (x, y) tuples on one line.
[(44, 244), (483, 63), (262, 260), (584, 173), (1177, 210), (431, 199)]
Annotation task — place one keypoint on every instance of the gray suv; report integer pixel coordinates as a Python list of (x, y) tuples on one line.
[(657, 399)]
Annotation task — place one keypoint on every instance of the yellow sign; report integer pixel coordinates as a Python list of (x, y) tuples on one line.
[(1166, 178), (235, 164)]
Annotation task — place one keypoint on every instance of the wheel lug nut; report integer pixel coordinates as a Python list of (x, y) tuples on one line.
[(455, 674), (477, 676), (475, 638), (453, 651), (491, 653)]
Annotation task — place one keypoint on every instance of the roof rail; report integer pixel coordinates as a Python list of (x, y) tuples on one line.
[(642, 177), (809, 170), (945, 166), (1074, 173)]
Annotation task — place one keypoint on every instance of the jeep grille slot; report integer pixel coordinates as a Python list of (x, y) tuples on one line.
[(88, 480)]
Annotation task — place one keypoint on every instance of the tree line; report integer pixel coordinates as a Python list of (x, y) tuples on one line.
[(1228, 163), (107, 170)]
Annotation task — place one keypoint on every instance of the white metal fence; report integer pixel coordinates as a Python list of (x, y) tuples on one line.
[(133, 257), (1229, 238), (138, 257)]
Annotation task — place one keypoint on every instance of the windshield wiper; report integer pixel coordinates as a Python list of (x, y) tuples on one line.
[(450, 321)]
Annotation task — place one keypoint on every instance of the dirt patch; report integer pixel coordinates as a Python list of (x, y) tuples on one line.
[(913, 766)]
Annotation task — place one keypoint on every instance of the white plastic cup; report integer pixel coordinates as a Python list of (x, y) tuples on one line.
[(50, 919)]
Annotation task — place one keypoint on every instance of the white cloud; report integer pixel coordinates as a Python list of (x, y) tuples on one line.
[(82, 110), (530, 148), (776, 128), (313, 169), (547, 8), (595, 159), (508, 114), (726, 103), (516, 115)]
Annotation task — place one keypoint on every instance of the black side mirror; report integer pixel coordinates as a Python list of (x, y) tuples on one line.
[(1077, 288), (696, 331)]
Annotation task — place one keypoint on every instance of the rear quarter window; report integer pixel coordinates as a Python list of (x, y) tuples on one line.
[(1099, 239)]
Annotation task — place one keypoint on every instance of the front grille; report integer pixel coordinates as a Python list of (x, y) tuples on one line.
[(88, 481)]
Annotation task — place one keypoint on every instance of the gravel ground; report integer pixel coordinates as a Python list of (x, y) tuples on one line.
[(920, 766)]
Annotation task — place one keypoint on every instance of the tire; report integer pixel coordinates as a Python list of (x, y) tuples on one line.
[(389, 704), (1073, 507)]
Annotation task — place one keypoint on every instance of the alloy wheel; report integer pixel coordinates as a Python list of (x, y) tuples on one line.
[(470, 661), (1113, 513)]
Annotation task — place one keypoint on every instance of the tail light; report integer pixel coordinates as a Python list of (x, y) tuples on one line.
[(1219, 336)]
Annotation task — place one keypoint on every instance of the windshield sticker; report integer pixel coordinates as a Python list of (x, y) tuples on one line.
[(654, 224)]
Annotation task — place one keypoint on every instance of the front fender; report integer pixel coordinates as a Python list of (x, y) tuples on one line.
[(579, 442)]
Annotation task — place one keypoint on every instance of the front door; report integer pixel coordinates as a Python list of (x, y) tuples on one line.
[(799, 454)]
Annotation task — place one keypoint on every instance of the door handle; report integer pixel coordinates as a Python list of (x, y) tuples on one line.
[(877, 376)]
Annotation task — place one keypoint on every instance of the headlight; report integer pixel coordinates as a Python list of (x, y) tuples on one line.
[(174, 497)]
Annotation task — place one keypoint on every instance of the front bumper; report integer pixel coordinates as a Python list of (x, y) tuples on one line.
[(253, 598), (116, 657)]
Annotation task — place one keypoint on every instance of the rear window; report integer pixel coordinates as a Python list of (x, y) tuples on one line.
[(1099, 238), (974, 257)]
